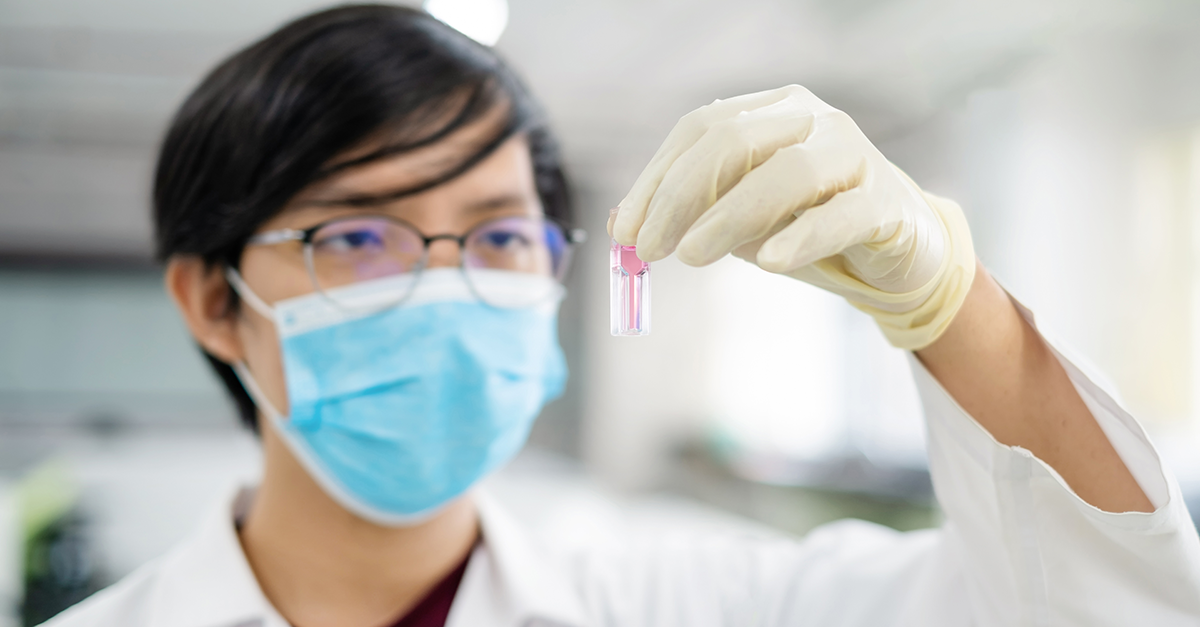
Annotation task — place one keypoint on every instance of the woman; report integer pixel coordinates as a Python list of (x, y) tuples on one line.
[(364, 223)]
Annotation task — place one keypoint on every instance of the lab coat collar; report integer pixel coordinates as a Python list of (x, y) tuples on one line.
[(510, 580), (207, 581)]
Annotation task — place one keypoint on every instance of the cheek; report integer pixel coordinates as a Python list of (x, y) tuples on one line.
[(261, 346), (276, 272)]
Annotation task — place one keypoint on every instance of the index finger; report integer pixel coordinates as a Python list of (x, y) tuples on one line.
[(689, 129)]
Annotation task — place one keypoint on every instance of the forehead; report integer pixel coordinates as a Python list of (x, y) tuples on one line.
[(507, 167), (365, 178), (410, 164)]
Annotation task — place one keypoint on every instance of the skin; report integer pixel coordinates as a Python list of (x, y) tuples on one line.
[(1001, 371), (319, 565)]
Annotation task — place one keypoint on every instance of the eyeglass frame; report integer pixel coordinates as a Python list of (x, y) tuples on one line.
[(571, 237)]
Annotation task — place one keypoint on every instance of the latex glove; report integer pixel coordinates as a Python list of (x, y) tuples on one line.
[(783, 180)]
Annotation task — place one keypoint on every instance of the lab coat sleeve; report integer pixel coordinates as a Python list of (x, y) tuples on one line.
[(1030, 551), (1018, 548)]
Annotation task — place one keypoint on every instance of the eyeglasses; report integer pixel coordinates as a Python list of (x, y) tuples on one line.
[(345, 251)]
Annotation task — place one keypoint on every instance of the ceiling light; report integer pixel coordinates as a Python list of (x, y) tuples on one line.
[(481, 20)]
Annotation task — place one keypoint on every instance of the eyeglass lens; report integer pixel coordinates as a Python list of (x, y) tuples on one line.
[(345, 252)]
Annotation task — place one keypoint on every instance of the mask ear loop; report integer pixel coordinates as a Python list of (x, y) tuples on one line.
[(256, 393), (239, 368), (257, 304)]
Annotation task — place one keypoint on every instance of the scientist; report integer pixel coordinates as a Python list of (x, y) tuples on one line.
[(365, 225)]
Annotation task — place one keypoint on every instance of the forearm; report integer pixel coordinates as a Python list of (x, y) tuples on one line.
[(1001, 372)]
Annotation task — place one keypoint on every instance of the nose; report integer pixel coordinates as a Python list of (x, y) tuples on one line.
[(443, 253)]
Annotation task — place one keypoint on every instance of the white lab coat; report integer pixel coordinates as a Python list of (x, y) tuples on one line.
[(1018, 548)]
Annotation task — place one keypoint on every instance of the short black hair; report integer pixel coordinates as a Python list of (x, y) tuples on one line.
[(267, 121)]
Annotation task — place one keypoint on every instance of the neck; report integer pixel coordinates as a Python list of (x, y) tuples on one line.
[(320, 565)]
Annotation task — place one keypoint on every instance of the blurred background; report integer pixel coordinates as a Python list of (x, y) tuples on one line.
[(1068, 130)]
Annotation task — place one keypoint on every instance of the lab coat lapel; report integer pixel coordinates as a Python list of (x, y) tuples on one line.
[(207, 582), (513, 582), (510, 580)]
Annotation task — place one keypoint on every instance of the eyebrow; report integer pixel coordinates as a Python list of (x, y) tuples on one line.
[(501, 201)]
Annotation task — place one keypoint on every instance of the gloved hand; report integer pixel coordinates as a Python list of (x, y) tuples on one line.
[(783, 180)]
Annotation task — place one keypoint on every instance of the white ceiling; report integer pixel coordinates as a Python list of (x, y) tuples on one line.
[(86, 87)]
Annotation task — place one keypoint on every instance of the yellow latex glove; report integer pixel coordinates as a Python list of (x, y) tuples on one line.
[(783, 180)]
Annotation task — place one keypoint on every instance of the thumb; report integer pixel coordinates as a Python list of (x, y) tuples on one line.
[(819, 232)]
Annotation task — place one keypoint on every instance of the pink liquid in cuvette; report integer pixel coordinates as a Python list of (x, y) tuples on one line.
[(630, 295)]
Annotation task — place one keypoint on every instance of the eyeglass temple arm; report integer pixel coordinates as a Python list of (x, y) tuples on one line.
[(276, 237)]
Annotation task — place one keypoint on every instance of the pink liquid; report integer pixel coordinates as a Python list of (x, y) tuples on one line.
[(630, 292)]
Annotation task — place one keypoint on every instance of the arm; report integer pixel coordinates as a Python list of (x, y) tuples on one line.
[(1001, 372), (1034, 464)]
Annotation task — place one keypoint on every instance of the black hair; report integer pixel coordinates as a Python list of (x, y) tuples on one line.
[(266, 123)]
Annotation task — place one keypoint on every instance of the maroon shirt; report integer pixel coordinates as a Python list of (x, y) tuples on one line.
[(432, 610)]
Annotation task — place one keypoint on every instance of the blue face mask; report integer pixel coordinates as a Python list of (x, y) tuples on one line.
[(398, 412)]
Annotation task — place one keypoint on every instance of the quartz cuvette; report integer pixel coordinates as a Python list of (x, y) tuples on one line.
[(630, 292)]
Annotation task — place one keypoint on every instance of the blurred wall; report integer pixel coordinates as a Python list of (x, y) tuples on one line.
[(1066, 129)]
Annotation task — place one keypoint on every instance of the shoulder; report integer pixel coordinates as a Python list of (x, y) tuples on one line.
[(126, 603)]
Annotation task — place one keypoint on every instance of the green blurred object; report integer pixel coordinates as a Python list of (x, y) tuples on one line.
[(58, 565), (44, 496)]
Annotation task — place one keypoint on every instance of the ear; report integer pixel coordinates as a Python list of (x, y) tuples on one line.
[(202, 295)]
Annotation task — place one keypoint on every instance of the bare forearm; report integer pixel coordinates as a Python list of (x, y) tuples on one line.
[(1001, 372)]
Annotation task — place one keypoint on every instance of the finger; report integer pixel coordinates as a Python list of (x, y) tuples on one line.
[(612, 217), (712, 166), (819, 232), (749, 250), (794, 178), (686, 132)]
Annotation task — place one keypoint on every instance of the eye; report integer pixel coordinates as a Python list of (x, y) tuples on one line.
[(349, 241), (505, 239)]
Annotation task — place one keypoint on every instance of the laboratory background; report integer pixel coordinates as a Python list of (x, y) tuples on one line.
[(1068, 130)]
